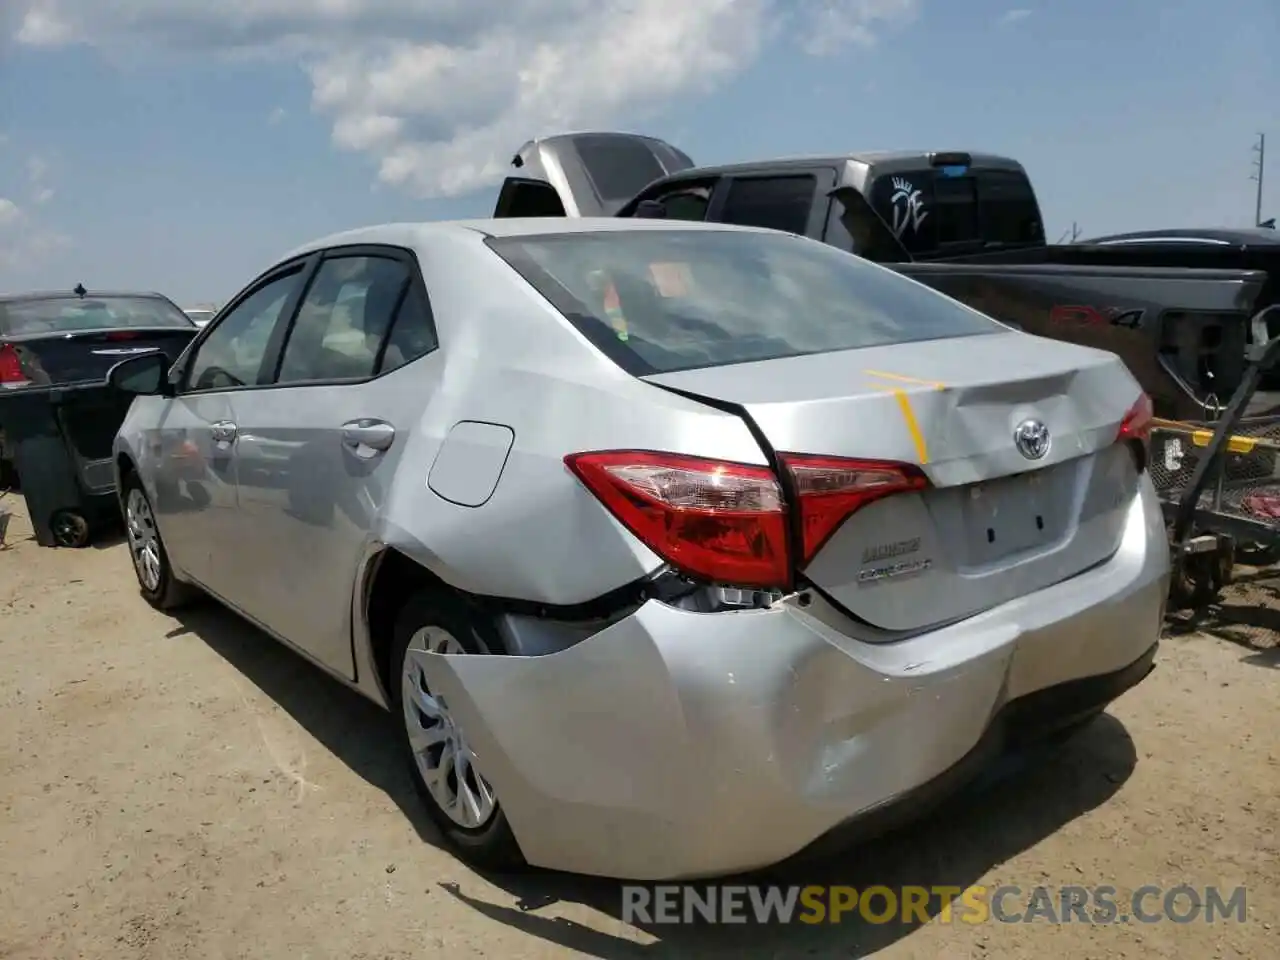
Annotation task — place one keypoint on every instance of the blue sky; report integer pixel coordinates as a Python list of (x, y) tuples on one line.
[(179, 146)]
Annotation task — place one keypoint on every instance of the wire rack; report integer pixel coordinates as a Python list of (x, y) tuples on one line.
[(1246, 482)]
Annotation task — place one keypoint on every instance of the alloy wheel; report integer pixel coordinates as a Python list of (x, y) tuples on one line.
[(144, 540), (444, 760)]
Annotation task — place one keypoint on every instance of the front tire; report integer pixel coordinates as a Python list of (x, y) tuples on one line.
[(459, 801), (146, 549)]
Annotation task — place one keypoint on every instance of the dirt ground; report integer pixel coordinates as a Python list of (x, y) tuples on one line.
[(186, 788)]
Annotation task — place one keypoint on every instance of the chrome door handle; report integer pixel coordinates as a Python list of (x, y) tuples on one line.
[(224, 431), (368, 436)]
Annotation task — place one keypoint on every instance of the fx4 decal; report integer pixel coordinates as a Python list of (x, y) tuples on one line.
[(1129, 318)]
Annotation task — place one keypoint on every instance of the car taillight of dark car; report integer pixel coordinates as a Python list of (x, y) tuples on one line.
[(11, 372)]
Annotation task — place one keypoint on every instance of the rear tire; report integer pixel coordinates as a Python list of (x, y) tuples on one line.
[(474, 824), (146, 549)]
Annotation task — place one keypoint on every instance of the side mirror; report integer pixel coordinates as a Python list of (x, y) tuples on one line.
[(142, 375)]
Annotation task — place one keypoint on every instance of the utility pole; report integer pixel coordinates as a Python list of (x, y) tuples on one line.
[(1074, 231), (1260, 148)]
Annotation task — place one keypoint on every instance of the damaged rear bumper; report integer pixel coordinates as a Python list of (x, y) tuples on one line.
[(676, 745)]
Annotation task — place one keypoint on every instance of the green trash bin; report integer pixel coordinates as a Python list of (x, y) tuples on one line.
[(60, 439)]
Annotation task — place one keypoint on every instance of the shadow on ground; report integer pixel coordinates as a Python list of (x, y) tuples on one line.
[(1247, 614), (1025, 801), (355, 730)]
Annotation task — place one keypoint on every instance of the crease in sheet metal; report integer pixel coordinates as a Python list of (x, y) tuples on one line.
[(904, 404), (913, 427)]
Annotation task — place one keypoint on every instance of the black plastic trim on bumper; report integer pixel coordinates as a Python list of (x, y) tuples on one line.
[(1021, 722)]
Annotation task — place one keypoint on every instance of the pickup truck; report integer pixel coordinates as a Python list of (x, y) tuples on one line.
[(966, 224)]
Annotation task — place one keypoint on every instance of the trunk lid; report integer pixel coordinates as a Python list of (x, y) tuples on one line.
[(585, 174), (995, 524), (87, 355)]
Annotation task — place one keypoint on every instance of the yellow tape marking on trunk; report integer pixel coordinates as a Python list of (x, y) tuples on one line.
[(904, 402), (880, 374)]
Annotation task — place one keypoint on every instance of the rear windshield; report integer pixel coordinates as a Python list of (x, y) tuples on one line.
[(938, 211), (75, 315), (660, 301)]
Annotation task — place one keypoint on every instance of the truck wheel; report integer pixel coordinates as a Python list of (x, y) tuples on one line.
[(70, 529), (1199, 579), (458, 799)]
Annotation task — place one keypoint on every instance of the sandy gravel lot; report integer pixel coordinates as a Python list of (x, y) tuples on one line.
[(183, 788)]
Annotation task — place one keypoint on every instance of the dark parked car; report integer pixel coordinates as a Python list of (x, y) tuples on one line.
[(74, 337)]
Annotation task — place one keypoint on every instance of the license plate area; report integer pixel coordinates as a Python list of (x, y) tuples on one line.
[(1014, 515)]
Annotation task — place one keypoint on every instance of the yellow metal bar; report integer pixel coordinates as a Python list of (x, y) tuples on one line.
[(1201, 437)]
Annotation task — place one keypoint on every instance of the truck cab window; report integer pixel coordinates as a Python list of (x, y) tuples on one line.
[(778, 203), (687, 204), (957, 210), (931, 212), (679, 200)]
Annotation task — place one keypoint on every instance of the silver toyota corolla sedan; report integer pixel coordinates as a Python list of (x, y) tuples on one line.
[(674, 549)]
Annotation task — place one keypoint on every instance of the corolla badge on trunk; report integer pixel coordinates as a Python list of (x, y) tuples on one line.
[(1031, 437)]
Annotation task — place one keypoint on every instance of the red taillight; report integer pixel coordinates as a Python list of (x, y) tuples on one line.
[(833, 488), (1136, 424), (728, 522), (1135, 430), (713, 520), (11, 366)]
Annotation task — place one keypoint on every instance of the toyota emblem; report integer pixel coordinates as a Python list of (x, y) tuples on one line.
[(1031, 437)]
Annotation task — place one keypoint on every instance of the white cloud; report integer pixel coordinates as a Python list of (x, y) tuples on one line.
[(1013, 16), (833, 25), (10, 212), (37, 180), (24, 239), (441, 92)]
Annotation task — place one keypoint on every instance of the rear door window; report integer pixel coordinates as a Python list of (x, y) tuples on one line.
[(343, 318), (413, 332), (778, 203), (658, 301)]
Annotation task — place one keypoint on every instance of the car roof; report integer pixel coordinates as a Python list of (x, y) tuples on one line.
[(412, 234), (869, 157), (1233, 236)]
